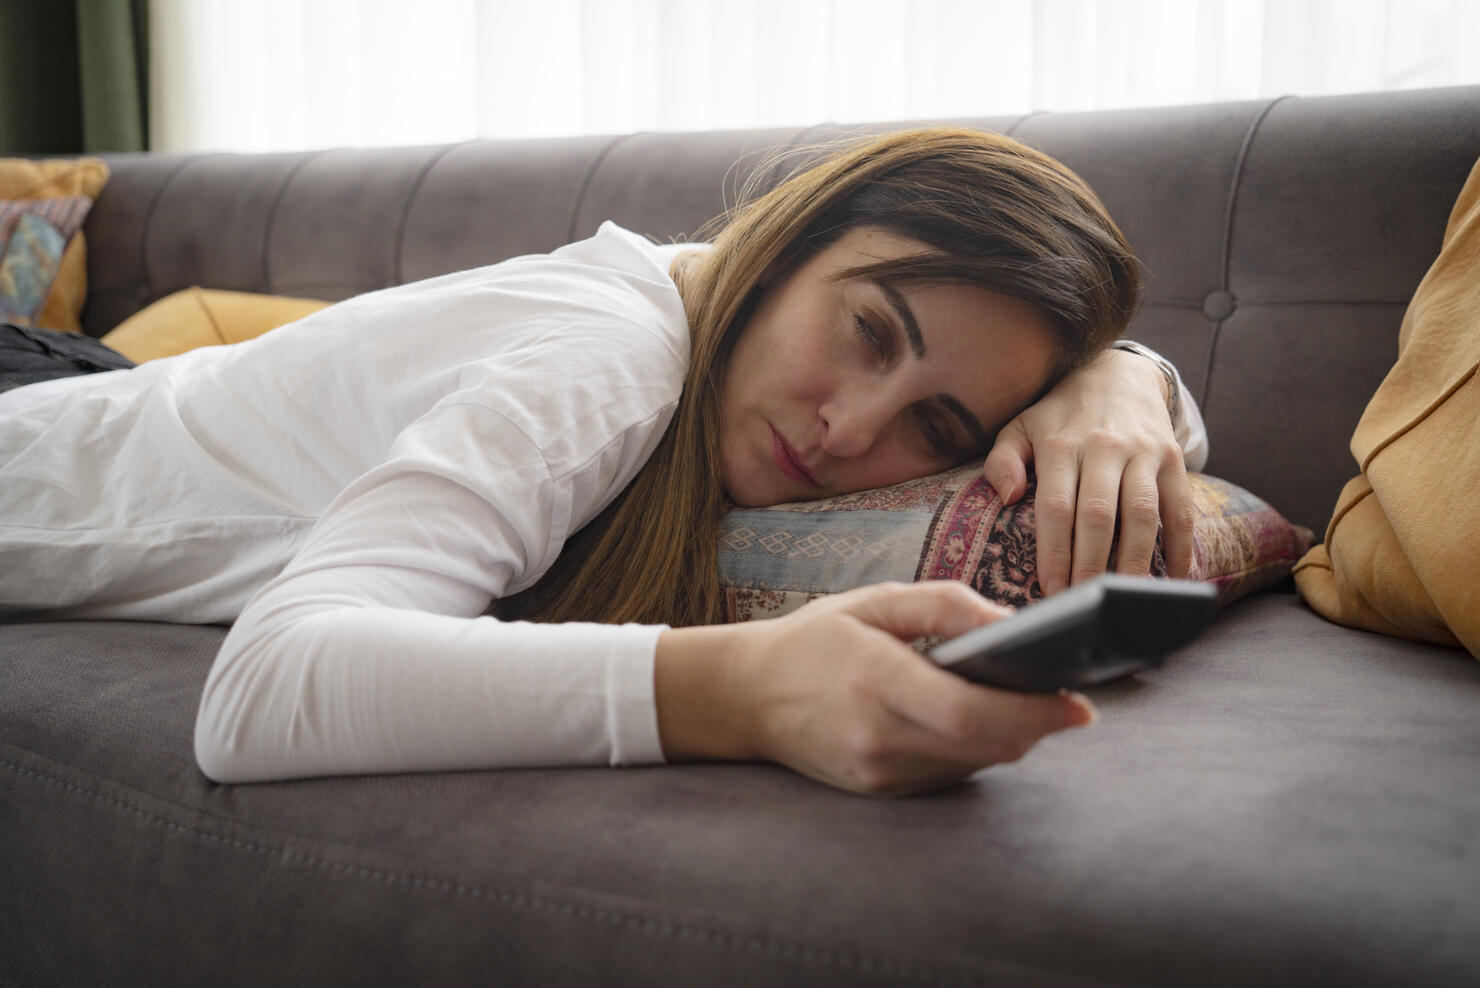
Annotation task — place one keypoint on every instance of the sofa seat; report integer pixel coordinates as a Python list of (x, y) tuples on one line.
[(1284, 801)]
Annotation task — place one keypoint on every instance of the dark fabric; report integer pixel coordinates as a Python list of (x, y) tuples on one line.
[(74, 77), (28, 356), (1284, 802)]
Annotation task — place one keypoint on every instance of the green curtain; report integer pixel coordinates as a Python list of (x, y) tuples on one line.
[(74, 76)]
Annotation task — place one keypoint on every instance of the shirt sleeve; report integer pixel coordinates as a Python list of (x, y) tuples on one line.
[(371, 653), (1191, 434)]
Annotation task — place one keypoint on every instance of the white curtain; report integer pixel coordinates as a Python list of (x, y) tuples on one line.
[(269, 75)]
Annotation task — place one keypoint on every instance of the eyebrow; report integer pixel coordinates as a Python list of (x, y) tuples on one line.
[(906, 316), (917, 347)]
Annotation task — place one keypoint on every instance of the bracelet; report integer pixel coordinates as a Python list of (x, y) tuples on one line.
[(1174, 393)]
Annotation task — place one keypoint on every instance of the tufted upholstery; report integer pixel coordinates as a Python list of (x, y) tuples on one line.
[(1236, 211)]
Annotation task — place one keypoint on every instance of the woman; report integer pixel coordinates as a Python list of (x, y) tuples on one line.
[(556, 438)]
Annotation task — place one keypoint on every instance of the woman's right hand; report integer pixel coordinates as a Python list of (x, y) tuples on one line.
[(834, 691)]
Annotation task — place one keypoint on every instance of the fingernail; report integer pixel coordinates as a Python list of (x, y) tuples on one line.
[(1094, 713)]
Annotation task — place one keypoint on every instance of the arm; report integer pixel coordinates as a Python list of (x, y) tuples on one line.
[(1104, 448), (368, 652)]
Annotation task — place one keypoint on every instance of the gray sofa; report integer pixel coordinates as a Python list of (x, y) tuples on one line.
[(1287, 801)]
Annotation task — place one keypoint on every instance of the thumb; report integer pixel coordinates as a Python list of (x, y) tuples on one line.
[(931, 607), (1006, 466)]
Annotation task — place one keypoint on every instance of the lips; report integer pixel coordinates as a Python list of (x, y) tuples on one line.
[(786, 460)]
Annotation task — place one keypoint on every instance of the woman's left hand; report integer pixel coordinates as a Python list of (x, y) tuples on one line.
[(1103, 445)]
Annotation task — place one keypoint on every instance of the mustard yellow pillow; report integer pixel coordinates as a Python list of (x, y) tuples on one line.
[(43, 254), (1399, 555), (196, 317)]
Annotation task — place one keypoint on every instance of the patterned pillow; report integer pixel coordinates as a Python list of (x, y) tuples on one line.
[(43, 257), (953, 526)]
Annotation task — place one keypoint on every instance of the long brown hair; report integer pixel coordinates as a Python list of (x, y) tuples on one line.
[(993, 212)]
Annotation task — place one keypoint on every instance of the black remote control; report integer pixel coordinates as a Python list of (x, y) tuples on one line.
[(1100, 630)]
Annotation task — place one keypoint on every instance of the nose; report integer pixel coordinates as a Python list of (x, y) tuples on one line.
[(853, 423)]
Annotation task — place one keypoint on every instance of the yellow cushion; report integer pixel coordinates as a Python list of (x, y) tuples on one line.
[(43, 254), (197, 317), (1399, 555)]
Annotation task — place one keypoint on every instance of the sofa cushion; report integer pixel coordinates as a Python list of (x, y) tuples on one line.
[(953, 526), (43, 253), (196, 317), (1262, 809), (1399, 555)]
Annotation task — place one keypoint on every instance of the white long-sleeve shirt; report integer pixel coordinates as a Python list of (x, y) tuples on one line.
[(352, 491)]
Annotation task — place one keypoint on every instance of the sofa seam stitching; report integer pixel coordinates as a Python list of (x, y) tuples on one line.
[(1226, 261), (272, 212), (1024, 118), (679, 930), (411, 193), (587, 179), (148, 224), (1235, 186)]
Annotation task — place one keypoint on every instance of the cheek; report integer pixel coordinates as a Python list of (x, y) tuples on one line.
[(795, 371), (891, 462)]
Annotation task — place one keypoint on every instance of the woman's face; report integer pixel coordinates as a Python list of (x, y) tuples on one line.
[(845, 385)]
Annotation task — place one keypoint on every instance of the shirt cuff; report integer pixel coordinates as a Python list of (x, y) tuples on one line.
[(631, 697)]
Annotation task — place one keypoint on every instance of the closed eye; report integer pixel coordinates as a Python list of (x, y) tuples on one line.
[(938, 436), (928, 421), (870, 336)]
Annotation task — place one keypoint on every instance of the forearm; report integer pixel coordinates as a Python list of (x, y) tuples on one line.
[(311, 690), (696, 688)]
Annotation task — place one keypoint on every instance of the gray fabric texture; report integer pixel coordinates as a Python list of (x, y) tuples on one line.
[(1286, 801), (1283, 802)]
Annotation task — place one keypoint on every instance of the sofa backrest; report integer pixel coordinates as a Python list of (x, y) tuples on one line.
[(1282, 238)]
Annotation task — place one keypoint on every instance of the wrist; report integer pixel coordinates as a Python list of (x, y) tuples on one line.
[(1161, 374), (696, 686)]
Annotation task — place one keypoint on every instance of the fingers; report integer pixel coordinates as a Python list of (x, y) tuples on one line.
[(1140, 516), (909, 610), (946, 731), (1142, 488), (944, 719), (842, 699), (1006, 466), (977, 721), (907, 758), (1055, 507), (1178, 517), (1096, 511), (1155, 494)]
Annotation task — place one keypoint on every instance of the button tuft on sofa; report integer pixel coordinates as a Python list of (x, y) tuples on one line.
[(1219, 304)]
